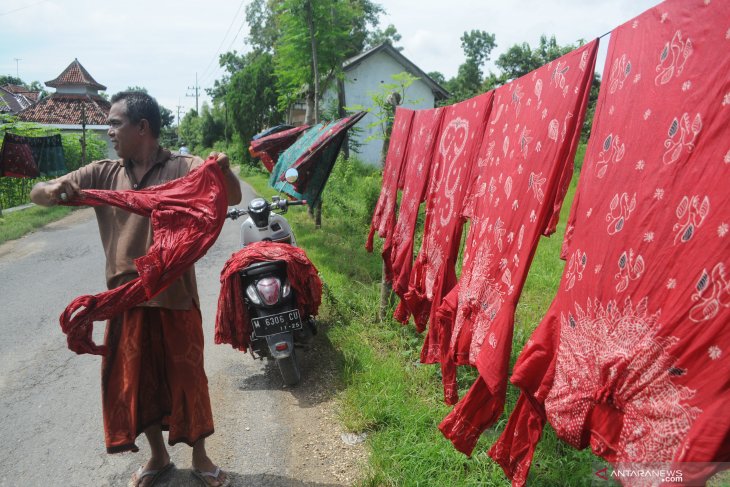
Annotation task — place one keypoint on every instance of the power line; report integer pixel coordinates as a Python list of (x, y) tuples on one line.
[(22, 8), (215, 56)]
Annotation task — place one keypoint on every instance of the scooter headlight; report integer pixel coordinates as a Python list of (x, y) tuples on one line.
[(252, 294)]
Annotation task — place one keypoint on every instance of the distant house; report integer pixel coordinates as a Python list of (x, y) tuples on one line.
[(75, 102), (14, 98), (365, 73)]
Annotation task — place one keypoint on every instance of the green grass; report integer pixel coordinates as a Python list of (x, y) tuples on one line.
[(18, 223), (387, 392)]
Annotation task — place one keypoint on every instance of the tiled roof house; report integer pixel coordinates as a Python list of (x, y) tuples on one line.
[(33, 96), (77, 96), (11, 102)]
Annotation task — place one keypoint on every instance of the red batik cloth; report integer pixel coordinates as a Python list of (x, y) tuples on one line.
[(416, 173), (154, 374), (633, 356), (16, 158), (268, 148), (232, 324), (187, 215), (522, 174), (384, 215), (433, 273)]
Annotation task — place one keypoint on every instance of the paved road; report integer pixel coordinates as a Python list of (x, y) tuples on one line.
[(50, 422)]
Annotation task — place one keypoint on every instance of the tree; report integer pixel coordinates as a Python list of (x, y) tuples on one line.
[(263, 32), (438, 77), (520, 59), (477, 46), (315, 37), (389, 34), (10, 80)]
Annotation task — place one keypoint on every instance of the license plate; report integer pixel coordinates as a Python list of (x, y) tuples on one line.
[(277, 323)]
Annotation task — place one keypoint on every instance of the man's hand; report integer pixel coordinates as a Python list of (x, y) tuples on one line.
[(221, 159), (233, 186), (54, 192)]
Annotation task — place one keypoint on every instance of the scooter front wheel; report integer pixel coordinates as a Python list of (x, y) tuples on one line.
[(289, 369)]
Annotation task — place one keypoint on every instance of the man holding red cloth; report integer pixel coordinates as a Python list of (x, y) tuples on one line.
[(153, 376)]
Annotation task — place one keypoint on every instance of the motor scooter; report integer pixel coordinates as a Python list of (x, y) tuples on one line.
[(276, 324)]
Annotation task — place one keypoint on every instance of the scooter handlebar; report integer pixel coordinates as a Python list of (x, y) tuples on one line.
[(234, 213)]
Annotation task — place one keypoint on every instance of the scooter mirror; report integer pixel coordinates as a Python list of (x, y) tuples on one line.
[(291, 175)]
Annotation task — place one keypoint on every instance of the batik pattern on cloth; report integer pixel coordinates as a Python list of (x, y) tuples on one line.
[(16, 158), (416, 174), (384, 214), (232, 324), (187, 215), (433, 273), (519, 182), (632, 357), (313, 155), (269, 148), (154, 374)]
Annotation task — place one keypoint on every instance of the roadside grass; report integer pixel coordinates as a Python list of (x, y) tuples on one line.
[(18, 223), (387, 392)]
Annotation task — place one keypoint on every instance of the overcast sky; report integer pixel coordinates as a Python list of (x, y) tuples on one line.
[(162, 44)]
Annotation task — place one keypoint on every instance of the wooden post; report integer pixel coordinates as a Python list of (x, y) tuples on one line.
[(386, 292)]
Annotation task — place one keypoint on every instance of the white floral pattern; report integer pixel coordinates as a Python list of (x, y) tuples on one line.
[(598, 364)]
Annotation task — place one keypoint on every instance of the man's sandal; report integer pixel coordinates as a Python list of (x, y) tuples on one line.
[(206, 477), (141, 473)]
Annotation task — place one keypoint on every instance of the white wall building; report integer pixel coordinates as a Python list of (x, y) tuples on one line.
[(364, 76)]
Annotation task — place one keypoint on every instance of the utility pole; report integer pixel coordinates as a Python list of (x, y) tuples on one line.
[(83, 133), (17, 71), (179, 107), (196, 89)]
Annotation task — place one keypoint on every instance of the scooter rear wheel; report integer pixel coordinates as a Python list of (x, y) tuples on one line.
[(289, 369)]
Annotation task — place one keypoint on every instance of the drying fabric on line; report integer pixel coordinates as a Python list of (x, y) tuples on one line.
[(433, 273), (522, 174), (29, 157), (313, 155), (383, 220), (270, 147), (632, 357), (416, 174)]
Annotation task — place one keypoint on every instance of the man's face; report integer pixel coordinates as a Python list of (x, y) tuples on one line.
[(122, 132)]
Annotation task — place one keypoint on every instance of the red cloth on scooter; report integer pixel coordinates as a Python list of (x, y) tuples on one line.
[(187, 215), (232, 324), (384, 214)]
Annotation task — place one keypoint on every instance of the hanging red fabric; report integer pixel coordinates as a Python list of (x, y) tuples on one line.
[(523, 170), (270, 147), (232, 324), (416, 174), (383, 220), (632, 357), (434, 272), (187, 215)]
